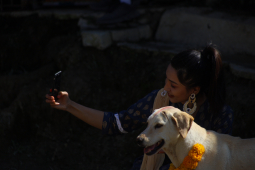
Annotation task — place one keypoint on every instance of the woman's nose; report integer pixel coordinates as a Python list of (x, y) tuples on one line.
[(167, 88)]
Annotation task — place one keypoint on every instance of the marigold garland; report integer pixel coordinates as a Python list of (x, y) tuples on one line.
[(190, 162)]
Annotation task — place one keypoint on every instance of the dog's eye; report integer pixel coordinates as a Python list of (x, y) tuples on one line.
[(158, 126)]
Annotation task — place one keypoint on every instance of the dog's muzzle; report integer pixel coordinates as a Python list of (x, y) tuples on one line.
[(139, 141), (149, 150)]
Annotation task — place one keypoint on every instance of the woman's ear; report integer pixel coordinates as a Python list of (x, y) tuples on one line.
[(196, 90)]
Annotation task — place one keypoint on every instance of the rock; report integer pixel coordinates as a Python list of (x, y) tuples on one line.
[(125, 35), (211, 2), (132, 34), (85, 24), (6, 119), (17, 13), (145, 32), (233, 35), (99, 39), (68, 14), (150, 10), (143, 20), (57, 13), (243, 72), (153, 47)]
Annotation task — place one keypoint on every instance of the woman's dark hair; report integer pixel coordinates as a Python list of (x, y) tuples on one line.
[(203, 69)]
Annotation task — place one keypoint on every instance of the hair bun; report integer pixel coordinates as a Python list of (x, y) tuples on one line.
[(209, 52), (203, 69)]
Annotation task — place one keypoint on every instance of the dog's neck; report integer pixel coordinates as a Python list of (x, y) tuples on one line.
[(179, 149)]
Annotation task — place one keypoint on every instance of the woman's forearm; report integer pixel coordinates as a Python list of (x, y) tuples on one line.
[(91, 116)]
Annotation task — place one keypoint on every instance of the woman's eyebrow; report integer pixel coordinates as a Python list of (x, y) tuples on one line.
[(173, 81)]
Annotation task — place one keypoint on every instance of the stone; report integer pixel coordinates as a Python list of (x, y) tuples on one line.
[(241, 71), (195, 27), (68, 14), (211, 2), (153, 47), (17, 13), (58, 13), (132, 34), (61, 14), (144, 32), (85, 24), (150, 10), (99, 39), (125, 34), (143, 20)]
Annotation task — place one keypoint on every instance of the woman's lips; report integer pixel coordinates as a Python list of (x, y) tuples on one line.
[(171, 96)]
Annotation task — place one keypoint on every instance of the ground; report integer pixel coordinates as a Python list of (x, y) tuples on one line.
[(35, 136)]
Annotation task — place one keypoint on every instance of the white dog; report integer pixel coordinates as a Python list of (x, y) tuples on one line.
[(175, 132)]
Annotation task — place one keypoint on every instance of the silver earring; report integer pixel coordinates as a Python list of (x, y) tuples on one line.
[(192, 99), (163, 93)]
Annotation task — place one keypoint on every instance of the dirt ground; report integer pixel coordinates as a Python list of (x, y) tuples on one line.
[(35, 136)]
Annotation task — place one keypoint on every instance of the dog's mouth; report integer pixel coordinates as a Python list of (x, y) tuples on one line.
[(150, 150)]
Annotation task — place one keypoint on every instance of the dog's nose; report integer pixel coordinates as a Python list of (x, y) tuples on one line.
[(139, 141)]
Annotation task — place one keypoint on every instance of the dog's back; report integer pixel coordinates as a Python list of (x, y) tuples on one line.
[(242, 152), (230, 153)]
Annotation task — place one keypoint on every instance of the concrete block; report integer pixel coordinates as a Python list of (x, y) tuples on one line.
[(99, 39), (195, 27), (132, 34)]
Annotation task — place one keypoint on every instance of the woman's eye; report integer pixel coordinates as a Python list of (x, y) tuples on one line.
[(158, 126)]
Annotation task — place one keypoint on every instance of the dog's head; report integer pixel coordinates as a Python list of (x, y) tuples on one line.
[(165, 126)]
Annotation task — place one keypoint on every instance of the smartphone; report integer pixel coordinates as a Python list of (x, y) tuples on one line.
[(56, 85)]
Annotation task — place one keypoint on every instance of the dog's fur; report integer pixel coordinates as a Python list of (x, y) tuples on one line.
[(180, 133)]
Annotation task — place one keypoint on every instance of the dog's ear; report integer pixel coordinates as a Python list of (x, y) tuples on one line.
[(183, 122)]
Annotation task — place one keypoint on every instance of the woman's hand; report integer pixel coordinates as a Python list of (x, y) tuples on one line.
[(62, 101), (88, 115)]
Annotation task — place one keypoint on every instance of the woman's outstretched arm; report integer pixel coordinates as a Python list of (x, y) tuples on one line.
[(91, 116)]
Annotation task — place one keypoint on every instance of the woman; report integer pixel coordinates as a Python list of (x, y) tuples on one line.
[(194, 83)]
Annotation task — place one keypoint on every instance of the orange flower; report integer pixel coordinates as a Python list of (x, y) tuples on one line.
[(172, 167), (182, 168), (197, 152), (196, 157), (190, 162)]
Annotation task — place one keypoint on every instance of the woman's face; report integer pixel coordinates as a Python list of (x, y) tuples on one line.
[(176, 91)]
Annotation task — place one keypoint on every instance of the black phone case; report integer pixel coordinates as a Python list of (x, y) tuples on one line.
[(56, 85)]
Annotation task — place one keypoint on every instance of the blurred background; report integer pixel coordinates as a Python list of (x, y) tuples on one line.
[(112, 53)]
